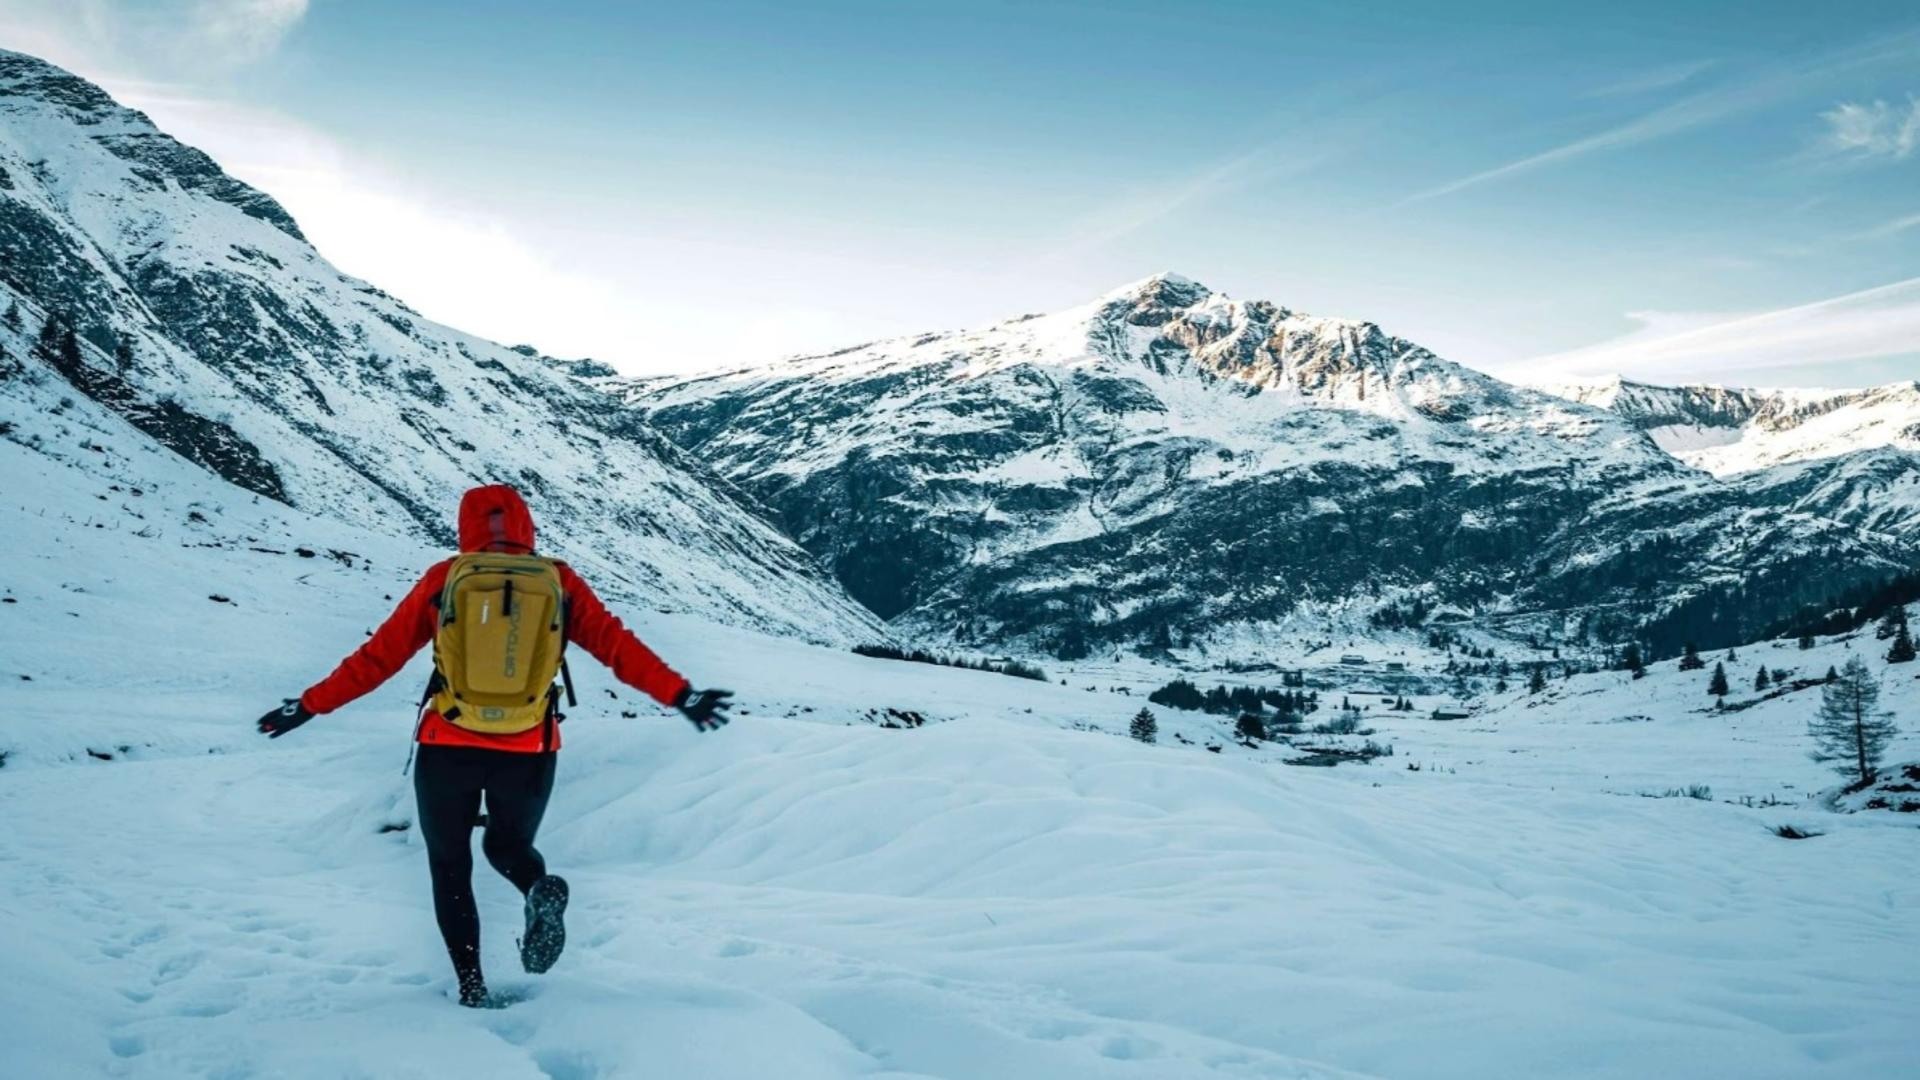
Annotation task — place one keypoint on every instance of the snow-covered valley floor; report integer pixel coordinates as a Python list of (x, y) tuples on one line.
[(979, 898), (804, 894)]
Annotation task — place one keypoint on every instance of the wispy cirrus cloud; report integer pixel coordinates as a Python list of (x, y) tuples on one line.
[(1145, 206), (1873, 130), (1768, 86), (1690, 112), (1879, 322), (1645, 82), (1895, 227)]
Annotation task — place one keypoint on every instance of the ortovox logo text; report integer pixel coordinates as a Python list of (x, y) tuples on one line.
[(513, 642)]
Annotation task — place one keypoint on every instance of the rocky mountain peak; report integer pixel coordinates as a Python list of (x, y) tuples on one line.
[(29, 77), (29, 84), (1163, 291), (1171, 322)]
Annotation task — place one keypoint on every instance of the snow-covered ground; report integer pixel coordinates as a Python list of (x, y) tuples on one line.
[(805, 894)]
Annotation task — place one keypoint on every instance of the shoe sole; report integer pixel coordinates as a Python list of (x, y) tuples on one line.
[(546, 927)]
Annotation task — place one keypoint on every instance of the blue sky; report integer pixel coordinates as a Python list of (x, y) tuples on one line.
[(1727, 192)]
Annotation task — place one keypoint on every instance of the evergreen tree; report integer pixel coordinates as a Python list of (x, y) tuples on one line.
[(70, 349), (1806, 641), (1690, 659), (1250, 727), (1732, 656), (122, 355), (1717, 686), (1891, 622), (46, 347), (1630, 660), (1902, 650), (1760, 679), (12, 318), (1832, 676), (1850, 731), (1145, 728)]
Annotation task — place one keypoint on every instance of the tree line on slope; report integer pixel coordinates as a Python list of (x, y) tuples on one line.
[(921, 656)]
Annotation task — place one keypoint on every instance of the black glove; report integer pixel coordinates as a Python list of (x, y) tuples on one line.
[(284, 719), (705, 709)]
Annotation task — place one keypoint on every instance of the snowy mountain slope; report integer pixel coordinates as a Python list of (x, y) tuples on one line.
[(1876, 489), (202, 317), (1728, 431), (806, 895), (1169, 467)]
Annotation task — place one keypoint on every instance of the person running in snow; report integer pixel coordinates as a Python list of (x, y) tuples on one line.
[(489, 721)]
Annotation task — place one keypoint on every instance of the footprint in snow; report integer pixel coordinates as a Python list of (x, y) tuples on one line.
[(566, 1065)]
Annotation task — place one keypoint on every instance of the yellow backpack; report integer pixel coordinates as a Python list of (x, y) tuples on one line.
[(499, 643)]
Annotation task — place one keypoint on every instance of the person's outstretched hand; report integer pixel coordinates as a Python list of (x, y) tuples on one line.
[(705, 709), (288, 716)]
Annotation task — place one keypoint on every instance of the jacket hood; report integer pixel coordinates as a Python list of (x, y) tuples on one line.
[(495, 518)]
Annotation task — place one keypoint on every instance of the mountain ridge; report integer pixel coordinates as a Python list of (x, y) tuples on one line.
[(150, 281), (1731, 430), (1165, 463)]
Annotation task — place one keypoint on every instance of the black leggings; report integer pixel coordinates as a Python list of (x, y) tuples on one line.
[(447, 783)]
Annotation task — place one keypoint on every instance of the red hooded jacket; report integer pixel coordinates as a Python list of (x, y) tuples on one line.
[(491, 518)]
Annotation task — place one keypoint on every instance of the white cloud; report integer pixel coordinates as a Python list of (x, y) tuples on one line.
[(163, 39), (1675, 346), (245, 30), (1874, 130)]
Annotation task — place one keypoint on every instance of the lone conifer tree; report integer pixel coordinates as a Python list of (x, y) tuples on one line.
[(1537, 681), (1251, 727), (1690, 659), (1850, 731), (1806, 641), (1145, 728), (1632, 661), (1902, 650), (1717, 686), (1760, 679), (12, 317), (47, 345)]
